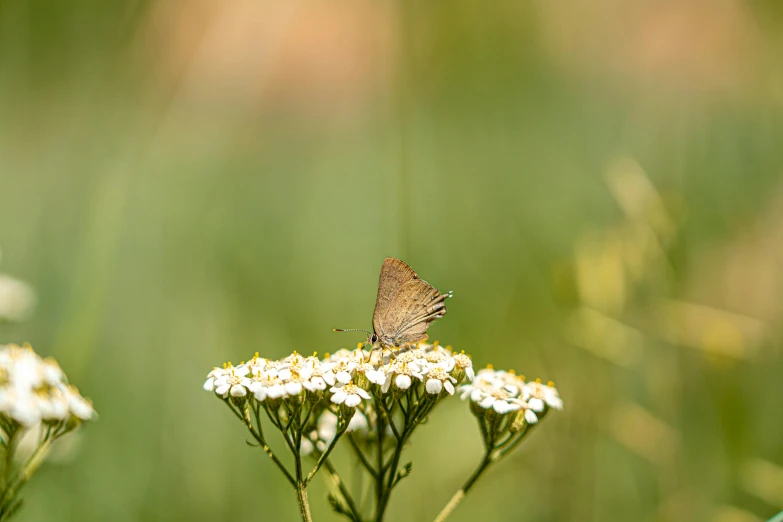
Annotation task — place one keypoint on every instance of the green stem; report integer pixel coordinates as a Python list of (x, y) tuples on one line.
[(304, 505), (388, 413), (9, 505), (260, 439), (10, 447), (459, 495), (325, 454), (362, 458), (379, 492), (425, 406), (301, 488), (495, 452), (354, 511), (12, 510)]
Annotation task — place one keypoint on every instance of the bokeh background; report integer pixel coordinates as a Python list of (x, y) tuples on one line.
[(599, 181)]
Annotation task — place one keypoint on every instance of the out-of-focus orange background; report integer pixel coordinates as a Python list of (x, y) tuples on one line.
[(600, 182)]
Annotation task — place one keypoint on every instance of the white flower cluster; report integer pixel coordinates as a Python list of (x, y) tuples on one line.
[(506, 392), (347, 374), (36, 390)]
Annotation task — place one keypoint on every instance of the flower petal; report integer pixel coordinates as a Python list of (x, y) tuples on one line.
[(339, 396), (402, 382), (434, 386)]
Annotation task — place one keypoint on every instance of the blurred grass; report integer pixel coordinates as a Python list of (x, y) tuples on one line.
[(188, 186)]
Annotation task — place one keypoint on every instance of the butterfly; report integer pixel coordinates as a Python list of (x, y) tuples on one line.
[(405, 307)]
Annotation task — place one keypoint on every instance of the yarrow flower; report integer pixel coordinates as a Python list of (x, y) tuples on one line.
[(505, 392), (34, 389), (541, 395), (233, 382), (436, 367), (349, 394), (374, 398), (438, 379)]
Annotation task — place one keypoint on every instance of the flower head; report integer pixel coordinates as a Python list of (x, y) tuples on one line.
[(34, 389), (498, 390)]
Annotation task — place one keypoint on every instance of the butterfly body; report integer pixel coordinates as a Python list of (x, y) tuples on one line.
[(405, 307)]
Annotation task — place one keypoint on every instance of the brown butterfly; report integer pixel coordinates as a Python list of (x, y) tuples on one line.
[(404, 308)]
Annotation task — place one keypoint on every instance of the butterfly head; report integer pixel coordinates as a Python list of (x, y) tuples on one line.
[(372, 338)]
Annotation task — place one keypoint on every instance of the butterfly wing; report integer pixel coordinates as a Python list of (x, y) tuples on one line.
[(415, 305), (394, 274)]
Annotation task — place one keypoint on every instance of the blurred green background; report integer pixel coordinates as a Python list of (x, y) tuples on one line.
[(600, 182)]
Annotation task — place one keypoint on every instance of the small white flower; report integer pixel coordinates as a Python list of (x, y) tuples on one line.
[(525, 414), (498, 390), (25, 409), (483, 385), (295, 360), (315, 384), (258, 364), (52, 404), (440, 357), (317, 380), (412, 361), (358, 422), (294, 379), (218, 374), (349, 394), (306, 447), (402, 381), (27, 371), (327, 426), (275, 389), (79, 406), (438, 379), (343, 370), (52, 373), (405, 371), (266, 384), (338, 372), (235, 382), (541, 394), (500, 401), (464, 363), (359, 355), (209, 384), (377, 376)]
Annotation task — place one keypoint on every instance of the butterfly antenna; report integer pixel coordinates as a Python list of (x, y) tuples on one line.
[(351, 330)]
